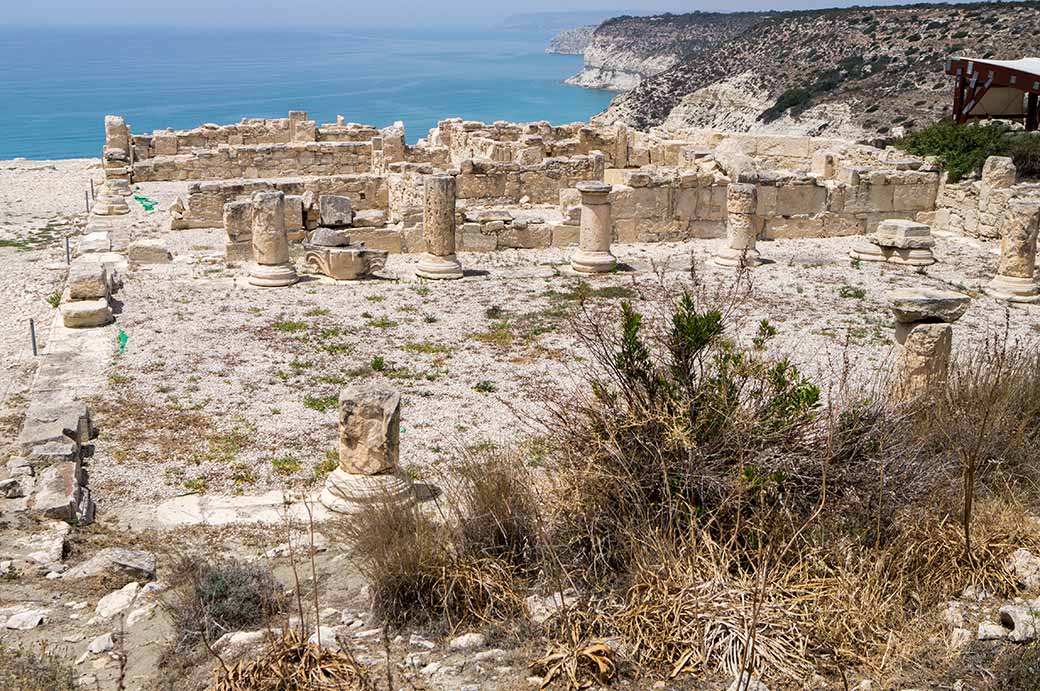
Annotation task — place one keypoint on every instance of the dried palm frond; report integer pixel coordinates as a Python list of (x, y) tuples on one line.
[(576, 661), (293, 664), (685, 611)]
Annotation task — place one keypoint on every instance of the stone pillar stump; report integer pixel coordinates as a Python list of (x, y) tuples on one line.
[(593, 254), (369, 451), (741, 234), (1014, 281), (924, 338), (109, 202), (439, 261), (271, 267)]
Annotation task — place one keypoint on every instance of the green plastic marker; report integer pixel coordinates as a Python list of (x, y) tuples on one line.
[(123, 338)]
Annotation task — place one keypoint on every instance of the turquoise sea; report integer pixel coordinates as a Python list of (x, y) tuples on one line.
[(56, 85)]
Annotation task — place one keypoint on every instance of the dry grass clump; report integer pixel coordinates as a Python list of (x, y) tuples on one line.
[(290, 663), (576, 662), (209, 599), (34, 670), (691, 607), (419, 572)]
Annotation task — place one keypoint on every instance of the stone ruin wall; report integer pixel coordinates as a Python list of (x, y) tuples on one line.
[(977, 208), (667, 185)]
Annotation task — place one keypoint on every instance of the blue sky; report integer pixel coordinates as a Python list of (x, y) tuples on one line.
[(345, 13)]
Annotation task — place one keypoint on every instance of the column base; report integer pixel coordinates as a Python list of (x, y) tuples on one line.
[(119, 186), (275, 276), (439, 268), (110, 206), (351, 494), (867, 251), (1013, 289), (910, 257), (593, 262), (731, 258)]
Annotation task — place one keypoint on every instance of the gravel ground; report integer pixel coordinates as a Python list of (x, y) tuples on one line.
[(42, 201), (229, 388)]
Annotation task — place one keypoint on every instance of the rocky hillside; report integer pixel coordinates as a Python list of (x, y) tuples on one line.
[(625, 50), (857, 72), (571, 41)]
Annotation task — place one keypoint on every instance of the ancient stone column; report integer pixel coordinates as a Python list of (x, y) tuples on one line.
[(897, 241), (1014, 281), (115, 158), (439, 260), (271, 266), (369, 451), (597, 230), (741, 234), (109, 202), (924, 338)]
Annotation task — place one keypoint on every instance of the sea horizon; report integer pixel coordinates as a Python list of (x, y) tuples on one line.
[(61, 82)]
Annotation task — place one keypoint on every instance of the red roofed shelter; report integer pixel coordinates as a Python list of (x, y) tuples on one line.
[(999, 89)]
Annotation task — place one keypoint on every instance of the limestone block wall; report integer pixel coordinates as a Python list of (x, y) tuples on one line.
[(977, 207), (539, 184), (658, 204), (259, 161), (526, 143), (250, 131), (788, 152), (205, 205)]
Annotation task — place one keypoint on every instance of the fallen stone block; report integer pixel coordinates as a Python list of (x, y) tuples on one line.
[(97, 241), (88, 281), (57, 451), (1020, 621), (370, 218), (51, 420), (84, 314), (335, 211), (136, 564), (148, 252), (61, 493), (1025, 566), (117, 602), (26, 620)]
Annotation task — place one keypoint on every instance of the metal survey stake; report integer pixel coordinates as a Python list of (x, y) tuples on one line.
[(68, 251), (32, 334), (86, 199)]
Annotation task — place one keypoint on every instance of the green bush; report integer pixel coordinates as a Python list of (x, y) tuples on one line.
[(210, 599), (963, 149), (1024, 149)]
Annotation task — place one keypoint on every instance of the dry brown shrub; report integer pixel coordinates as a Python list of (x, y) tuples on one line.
[(576, 661), (691, 607), (417, 573), (40, 669), (290, 663)]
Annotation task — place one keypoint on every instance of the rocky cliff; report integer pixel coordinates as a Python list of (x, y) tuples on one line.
[(625, 50), (857, 72), (571, 41)]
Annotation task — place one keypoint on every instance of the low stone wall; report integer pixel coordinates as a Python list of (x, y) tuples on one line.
[(977, 207), (259, 161), (539, 184), (296, 128), (675, 148), (674, 204), (206, 200), (527, 143)]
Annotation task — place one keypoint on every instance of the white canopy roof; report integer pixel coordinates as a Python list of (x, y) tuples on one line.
[(1028, 65)]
